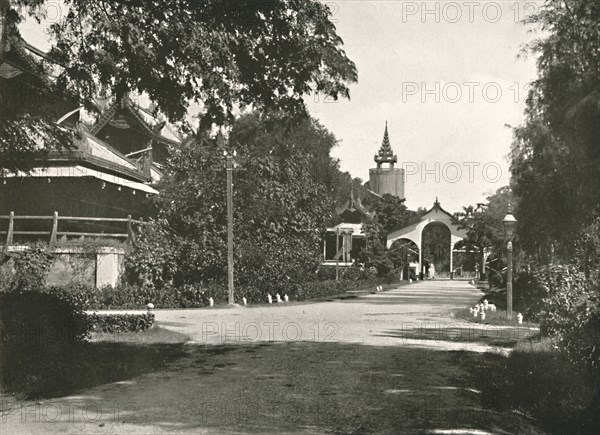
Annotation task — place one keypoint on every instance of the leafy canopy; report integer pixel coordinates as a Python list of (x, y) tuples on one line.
[(280, 208), (220, 53), (555, 158)]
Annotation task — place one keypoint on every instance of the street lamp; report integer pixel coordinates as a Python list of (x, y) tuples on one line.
[(509, 226), (229, 166)]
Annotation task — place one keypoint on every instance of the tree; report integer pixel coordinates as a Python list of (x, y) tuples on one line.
[(390, 214), (436, 246), (375, 254), (485, 230), (271, 134), (24, 122), (555, 163), (220, 53), (280, 209), (4, 7)]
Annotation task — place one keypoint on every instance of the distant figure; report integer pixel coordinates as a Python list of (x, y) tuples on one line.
[(431, 271)]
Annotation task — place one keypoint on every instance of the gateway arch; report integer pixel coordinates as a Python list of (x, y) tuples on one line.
[(414, 232)]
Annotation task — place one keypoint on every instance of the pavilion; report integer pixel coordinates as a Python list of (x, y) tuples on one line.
[(343, 242)]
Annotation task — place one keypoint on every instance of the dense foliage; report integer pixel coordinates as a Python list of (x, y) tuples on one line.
[(221, 53), (26, 268), (37, 317), (571, 312), (390, 214), (555, 168), (555, 161), (39, 329), (540, 381), (197, 296), (485, 231), (284, 188), (213, 56), (117, 323)]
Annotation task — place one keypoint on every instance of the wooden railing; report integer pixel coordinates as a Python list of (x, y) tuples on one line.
[(54, 233)]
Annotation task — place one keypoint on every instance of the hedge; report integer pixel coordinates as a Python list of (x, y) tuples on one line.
[(197, 296), (114, 323), (41, 331), (36, 317)]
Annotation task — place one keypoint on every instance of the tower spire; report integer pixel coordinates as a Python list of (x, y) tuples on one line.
[(386, 154)]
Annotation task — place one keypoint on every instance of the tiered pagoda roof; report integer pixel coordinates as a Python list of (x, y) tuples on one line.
[(386, 154)]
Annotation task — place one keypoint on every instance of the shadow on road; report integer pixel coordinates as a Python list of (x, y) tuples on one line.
[(290, 387)]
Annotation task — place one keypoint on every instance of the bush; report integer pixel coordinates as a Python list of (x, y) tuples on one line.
[(540, 380), (114, 323), (41, 330), (27, 268), (127, 296), (124, 296), (196, 296), (572, 313), (39, 316), (354, 273)]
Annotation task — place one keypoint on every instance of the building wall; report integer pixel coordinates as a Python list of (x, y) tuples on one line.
[(74, 265), (387, 181), (70, 196)]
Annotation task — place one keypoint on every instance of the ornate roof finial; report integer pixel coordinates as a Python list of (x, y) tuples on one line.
[(385, 154)]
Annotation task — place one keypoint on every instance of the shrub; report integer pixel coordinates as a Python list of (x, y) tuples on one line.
[(27, 268), (197, 295), (588, 252), (40, 332), (572, 313), (540, 380), (353, 273), (114, 323), (529, 293), (319, 289), (34, 316)]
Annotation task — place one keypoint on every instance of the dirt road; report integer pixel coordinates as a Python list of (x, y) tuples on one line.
[(392, 362)]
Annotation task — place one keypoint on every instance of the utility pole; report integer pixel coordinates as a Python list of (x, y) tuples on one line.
[(337, 258), (509, 283), (230, 164)]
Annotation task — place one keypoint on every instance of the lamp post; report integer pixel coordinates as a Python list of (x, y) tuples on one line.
[(229, 166), (509, 222)]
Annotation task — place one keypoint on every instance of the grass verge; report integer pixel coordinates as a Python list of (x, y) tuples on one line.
[(48, 370), (537, 379)]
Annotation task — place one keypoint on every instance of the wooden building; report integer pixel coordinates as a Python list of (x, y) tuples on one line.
[(343, 242), (90, 176)]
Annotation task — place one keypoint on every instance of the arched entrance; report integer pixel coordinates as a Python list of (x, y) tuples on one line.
[(406, 253), (436, 250), (440, 217)]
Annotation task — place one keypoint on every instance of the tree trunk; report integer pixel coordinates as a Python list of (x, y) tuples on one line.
[(4, 9), (3, 12)]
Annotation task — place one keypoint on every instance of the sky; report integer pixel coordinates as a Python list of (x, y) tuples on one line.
[(445, 76)]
